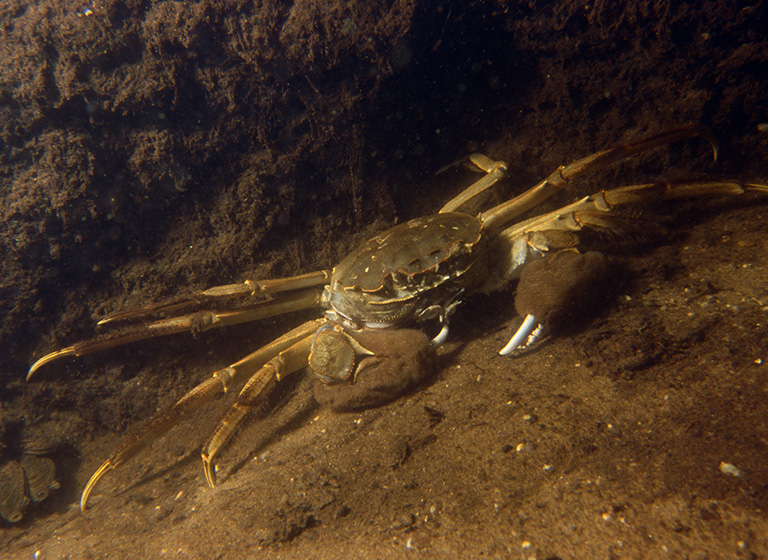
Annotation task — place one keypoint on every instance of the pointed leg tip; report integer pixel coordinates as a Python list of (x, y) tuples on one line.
[(95, 477), (31, 371), (48, 358), (210, 471)]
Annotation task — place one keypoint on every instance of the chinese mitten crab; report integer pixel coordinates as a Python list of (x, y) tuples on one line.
[(414, 273)]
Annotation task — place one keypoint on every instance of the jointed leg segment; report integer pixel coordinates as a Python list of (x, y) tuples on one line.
[(286, 362), (283, 356), (217, 294), (307, 296), (495, 218)]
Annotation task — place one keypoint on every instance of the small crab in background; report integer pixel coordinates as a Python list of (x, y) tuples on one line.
[(26, 475), (369, 346)]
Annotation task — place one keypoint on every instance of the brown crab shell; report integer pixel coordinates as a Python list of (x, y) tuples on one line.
[(427, 261)]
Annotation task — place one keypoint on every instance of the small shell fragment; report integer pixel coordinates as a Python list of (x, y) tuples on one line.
[(41, 476), (13, 497), (728, 468), (35, 441)]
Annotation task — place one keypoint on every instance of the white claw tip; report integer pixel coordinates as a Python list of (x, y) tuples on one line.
[(528, 326), (441, 337)]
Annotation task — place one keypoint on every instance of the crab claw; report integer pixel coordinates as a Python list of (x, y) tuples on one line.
[(404, 359), (528, 333), (336, 355), (558, 289)]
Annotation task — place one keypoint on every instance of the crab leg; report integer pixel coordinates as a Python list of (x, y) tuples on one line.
[(218, 383), (286, 362), (195, 322), (249, 288), (495, 218), (594, 211), (496, 170)]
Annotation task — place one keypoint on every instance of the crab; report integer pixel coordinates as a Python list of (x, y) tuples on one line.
[(413, 275)]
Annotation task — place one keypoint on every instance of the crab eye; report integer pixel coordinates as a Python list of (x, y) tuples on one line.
[(332, 358)]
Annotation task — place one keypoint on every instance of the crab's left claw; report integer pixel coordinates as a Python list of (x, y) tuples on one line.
[(555, 290), (528, 333)]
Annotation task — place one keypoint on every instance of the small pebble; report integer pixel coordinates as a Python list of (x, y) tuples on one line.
[(728, 468)]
